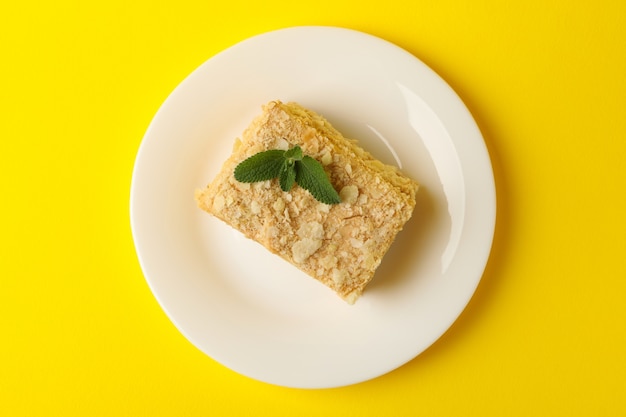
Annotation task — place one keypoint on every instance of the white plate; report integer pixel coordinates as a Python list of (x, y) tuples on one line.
[(252, 311)]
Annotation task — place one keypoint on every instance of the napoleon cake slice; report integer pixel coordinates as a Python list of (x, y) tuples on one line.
[(340, 245)]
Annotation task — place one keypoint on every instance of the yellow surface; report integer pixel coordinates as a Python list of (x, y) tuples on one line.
[(82, 335)]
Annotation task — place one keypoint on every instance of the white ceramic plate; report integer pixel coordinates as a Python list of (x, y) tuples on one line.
[(249, 309)]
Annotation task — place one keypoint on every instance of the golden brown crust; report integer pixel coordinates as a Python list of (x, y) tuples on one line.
[(339, 245)]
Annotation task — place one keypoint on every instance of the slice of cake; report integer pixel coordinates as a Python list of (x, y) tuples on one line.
[(340, 245)]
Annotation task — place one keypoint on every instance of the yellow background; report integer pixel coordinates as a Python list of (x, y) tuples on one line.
[(81, 333)]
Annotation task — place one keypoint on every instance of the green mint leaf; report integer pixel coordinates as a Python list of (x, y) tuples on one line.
[(294, 154), (290, 167), (262, 166), (311, 176), (287, 175)]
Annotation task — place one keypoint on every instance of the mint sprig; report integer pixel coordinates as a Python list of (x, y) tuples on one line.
[(290, 166)]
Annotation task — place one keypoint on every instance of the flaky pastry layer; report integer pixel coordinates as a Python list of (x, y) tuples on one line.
[(340, 245)]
